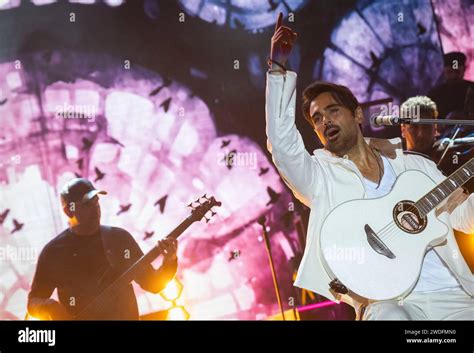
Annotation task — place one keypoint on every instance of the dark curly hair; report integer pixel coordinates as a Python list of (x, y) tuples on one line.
[(341, 94)]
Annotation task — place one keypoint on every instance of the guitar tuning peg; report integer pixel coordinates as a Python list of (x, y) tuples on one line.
[(207, 219), (213, 213), (190, 205)]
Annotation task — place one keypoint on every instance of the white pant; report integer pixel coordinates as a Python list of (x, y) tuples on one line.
[(445, 305)]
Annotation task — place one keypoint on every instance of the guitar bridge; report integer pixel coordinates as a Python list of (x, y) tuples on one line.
[(377, 244)]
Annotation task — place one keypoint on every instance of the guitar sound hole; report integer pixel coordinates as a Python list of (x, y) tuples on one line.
[(408, 218)]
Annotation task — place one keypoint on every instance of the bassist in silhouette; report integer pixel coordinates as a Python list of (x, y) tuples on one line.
[(88, 256)]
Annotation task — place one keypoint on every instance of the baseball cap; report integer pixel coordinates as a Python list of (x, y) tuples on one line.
[(79, 190)]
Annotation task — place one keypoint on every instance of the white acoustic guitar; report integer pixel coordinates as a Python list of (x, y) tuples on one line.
[(374, 248)]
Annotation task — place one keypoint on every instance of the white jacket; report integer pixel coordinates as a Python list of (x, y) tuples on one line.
[(322, 181)]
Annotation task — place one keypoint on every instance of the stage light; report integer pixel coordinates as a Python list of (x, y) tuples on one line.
[(317, 305), (28, 317), (9, 4), (114, 3), (290, 315), (172, 291), (177, 313), (83, 2)]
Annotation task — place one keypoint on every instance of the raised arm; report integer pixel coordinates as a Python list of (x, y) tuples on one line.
[(296, 166)]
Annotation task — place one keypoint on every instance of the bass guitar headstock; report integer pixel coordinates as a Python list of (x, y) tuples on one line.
[(202, 206)]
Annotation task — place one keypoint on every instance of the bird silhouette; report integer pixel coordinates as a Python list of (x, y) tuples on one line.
[(234, 255), (98, 174), (166, 82), (225, 143), (162, 203), (18, 226), (4, 215), (86, 144), (124, 208), (166, 104), (148, 235), (263, 171), (274, 196), (421, 29), (80, 163)]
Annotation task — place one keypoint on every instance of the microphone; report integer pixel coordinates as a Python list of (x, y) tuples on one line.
[(378, 120), (388, 120)]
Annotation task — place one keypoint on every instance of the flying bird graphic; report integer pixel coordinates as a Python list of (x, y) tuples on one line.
[(98, 174), (274, 196), (18, 226), (162, 203), (124, 208)]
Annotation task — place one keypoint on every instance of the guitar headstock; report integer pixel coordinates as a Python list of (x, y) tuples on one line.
[(201, 206)]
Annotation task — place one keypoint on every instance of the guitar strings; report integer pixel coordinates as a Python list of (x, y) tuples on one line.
[(387, 232)]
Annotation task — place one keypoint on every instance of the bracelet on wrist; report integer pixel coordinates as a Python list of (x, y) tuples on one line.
[(281, 66)]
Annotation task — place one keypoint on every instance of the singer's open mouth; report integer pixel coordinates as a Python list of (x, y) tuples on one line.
[(332, 133)]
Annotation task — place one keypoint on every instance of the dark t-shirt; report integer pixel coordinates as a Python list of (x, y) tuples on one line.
[(80, 267)]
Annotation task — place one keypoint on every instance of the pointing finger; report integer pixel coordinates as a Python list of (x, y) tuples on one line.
[(279, 21)]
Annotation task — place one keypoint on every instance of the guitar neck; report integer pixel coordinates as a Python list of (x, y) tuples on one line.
[(150, 256), (438, 194), (130, 274)]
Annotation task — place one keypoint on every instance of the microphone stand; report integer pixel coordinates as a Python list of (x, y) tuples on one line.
[(409, 121), (436, 121), (395, 120), (262, 221)]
